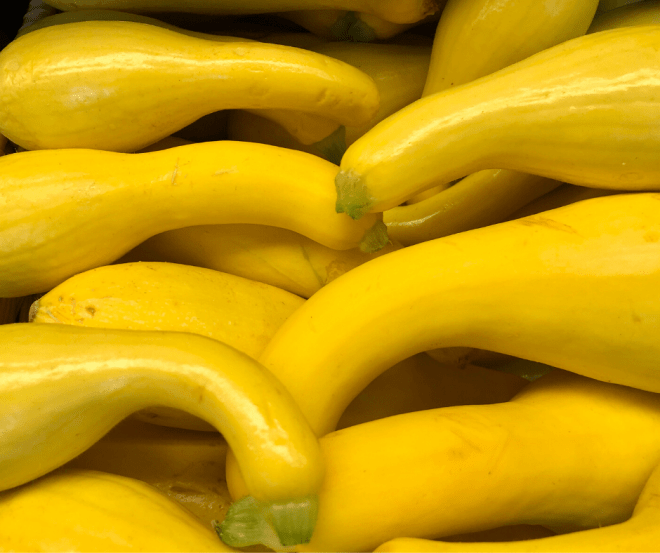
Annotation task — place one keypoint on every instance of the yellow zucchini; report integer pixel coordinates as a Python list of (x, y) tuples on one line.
[(66, 211), (64, 387), (573, 288), (122, 85), (584, 112)]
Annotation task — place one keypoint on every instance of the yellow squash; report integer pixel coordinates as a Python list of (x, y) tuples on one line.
[(398, 11), (121, 85), (168, 296), (563, 195), (640, 533), (64, 387), (396, 89), (187, 466), (86, 510), (584, 112), (420, 382), (475, 38), (567, 452), (291, 119), (67, 211), (478, 200), (275, 256), (573, 288)]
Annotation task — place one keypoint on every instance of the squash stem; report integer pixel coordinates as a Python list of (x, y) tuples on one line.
[(353, 197), (278, 525)]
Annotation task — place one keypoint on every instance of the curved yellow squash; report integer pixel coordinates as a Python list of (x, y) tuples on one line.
[(122, 85), (584, 112), (573, 288), (67, 211), (63, 387), (567, 452)]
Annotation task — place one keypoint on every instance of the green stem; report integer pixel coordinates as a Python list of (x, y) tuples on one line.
[(375, 238), (353, 197), (278, 525)]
